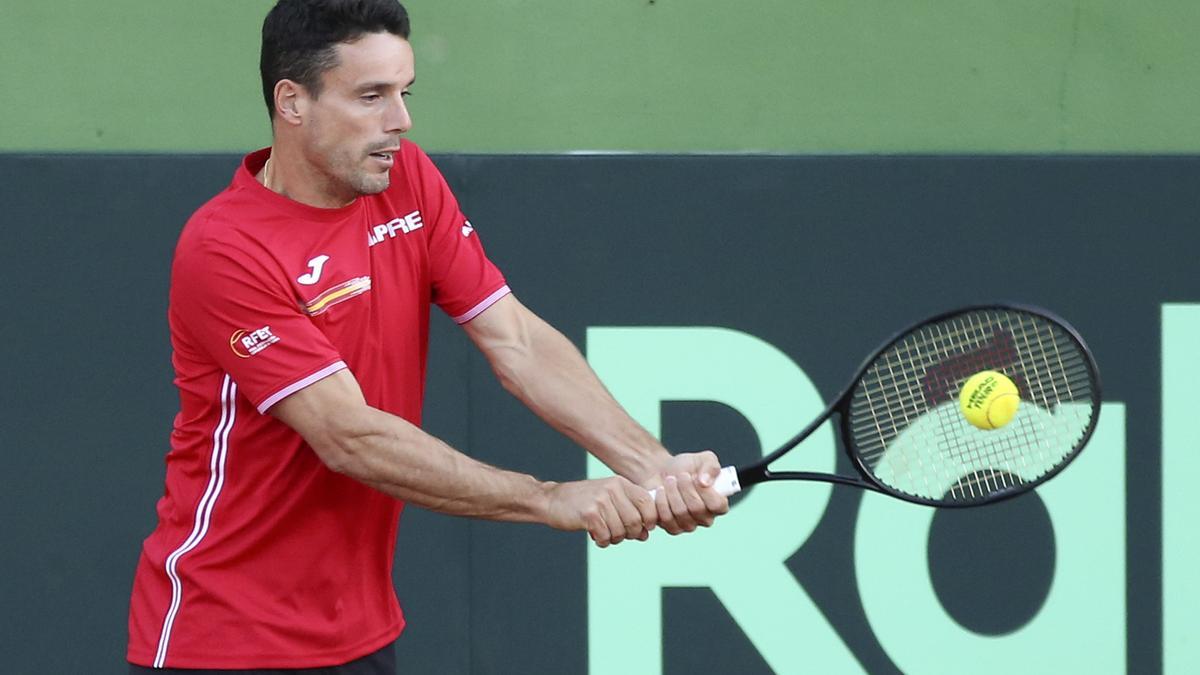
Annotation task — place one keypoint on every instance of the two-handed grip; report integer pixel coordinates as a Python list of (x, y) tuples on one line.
[(726, 484)]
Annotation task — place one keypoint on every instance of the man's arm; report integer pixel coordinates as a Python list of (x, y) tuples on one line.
[(541, 367), (401, 460)]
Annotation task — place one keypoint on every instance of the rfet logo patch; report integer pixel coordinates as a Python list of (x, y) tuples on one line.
[(247, 343)]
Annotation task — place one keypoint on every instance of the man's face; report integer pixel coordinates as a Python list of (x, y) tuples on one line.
[(352, 131)]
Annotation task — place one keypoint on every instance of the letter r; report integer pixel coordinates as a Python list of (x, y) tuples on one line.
[(741, 558)]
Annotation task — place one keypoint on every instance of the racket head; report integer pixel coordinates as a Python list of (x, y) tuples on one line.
[(904, 431)]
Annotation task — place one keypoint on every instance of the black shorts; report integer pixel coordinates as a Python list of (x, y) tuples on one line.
[(382, 662)]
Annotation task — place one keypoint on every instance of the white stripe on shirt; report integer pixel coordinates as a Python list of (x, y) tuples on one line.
[(204, 509)]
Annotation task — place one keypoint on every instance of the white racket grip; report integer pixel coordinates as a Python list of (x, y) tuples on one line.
[(726, 484)]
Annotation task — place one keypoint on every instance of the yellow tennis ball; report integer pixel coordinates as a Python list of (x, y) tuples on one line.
[(989, 400)]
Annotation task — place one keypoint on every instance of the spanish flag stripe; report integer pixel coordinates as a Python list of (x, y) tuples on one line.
[(337, 294)]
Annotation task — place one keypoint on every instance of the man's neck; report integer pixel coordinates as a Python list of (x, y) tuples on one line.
[(287, 173)]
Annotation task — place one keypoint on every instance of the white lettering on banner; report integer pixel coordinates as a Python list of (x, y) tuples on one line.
[(1086, 602), (643, 367), (1180, 502), (389, 229)]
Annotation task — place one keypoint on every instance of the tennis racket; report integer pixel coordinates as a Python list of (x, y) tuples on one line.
[(901, 425)]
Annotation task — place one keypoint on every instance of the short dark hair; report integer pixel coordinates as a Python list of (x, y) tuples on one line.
[(299, 37)]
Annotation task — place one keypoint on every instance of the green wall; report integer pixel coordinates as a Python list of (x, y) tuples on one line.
[(639, 75), (722, 299)]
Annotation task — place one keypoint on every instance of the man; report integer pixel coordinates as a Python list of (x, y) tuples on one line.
[(299, 313)]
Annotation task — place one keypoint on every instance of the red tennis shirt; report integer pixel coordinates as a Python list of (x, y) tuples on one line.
[(263, 557)]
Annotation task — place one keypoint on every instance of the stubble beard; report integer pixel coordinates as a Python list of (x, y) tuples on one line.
[(354, 180), (365, 183)]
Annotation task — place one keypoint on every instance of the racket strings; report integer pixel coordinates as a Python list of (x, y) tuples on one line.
[(910, 402), (905, 423), (986, 480), (911, 354), (978, 483)]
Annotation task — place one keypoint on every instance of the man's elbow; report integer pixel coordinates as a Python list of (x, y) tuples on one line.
[(516, 361), (340, 449), (507, 369), (334, 454)]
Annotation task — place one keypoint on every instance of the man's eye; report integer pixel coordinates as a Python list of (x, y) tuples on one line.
[(370, 97), (406, 94)]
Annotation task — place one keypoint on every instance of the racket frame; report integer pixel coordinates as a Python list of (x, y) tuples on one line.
[(759, 471)]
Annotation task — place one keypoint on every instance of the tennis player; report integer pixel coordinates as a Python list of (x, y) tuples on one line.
[(299, 312)]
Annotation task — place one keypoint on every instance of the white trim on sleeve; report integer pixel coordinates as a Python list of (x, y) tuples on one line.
[(298, 385), (483, 304)]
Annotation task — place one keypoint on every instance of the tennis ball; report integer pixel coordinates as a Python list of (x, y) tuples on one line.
[(989, 400)]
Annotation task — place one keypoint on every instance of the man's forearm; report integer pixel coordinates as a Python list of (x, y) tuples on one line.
[(403, 461), (548, 374), (395, 457)]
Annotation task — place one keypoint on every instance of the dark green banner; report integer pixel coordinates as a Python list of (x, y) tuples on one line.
[(722, 300)]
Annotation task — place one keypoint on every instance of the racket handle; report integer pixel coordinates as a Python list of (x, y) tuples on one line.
[(726, 484)]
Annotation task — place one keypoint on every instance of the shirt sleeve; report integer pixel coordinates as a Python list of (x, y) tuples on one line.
[(465, 282), (231, 309)]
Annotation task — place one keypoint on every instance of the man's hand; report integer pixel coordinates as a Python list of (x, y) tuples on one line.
[(685, 498), (610, 509)]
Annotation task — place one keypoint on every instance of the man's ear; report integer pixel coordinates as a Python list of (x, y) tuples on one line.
[(290, 101)]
